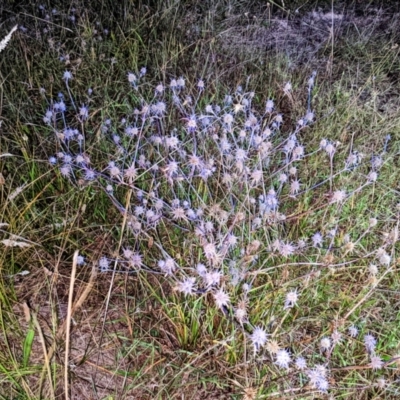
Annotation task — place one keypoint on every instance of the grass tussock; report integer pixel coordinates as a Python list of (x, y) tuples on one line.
[(192, 206)]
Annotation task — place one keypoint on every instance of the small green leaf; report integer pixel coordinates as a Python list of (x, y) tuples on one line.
[(28, 346)]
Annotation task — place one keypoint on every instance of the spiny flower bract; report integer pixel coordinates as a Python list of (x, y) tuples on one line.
[(258, 337), (283, 359)]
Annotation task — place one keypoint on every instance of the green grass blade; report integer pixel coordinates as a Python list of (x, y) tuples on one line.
[(27, 349)]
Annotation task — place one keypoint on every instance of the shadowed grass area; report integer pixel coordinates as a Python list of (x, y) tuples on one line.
[(147, 320)]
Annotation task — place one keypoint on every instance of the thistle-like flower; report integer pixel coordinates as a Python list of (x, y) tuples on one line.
[(301, 363), (353, 331), (221, 299), (291, 299), (283, 359), (325, 343), (376, 362), (187, 286), (370, 343), (259, 338)]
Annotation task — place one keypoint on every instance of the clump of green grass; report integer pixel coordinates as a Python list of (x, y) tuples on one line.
[(221, 249)]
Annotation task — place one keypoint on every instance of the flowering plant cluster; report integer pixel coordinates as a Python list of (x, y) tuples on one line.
[(226, 181)]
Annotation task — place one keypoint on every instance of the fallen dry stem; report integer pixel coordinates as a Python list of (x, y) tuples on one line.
[(46, 366), (61, 330), (69, 318)]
